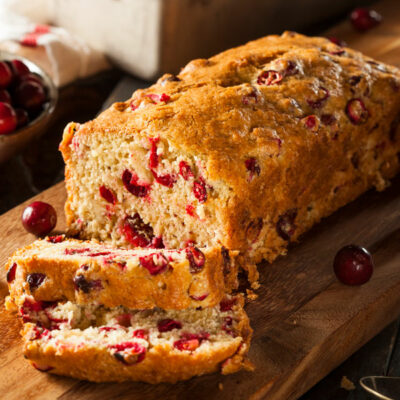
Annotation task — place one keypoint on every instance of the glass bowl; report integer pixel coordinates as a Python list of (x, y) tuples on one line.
[(12, 143)]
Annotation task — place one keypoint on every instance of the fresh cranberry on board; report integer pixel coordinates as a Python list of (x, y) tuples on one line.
[(8, 118), (39, 218), (353, 265), (364, 19)]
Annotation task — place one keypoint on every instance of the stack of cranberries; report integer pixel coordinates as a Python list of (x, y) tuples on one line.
[(22, 95)]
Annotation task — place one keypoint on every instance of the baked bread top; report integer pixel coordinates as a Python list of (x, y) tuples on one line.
[(283, 128), (253, 101)]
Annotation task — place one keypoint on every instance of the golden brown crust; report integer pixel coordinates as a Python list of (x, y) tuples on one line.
[(161, 363), (312, 157), (120, 281)]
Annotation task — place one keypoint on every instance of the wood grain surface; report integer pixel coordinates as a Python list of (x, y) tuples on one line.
[(305, 322)]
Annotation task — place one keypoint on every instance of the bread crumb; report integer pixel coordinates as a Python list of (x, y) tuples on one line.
[(347, 384), (220, 386), (251, 295)]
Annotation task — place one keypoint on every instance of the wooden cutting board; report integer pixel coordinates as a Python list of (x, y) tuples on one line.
[(305, 322)]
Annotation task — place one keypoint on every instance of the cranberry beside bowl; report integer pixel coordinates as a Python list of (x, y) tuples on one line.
[(27, 100)]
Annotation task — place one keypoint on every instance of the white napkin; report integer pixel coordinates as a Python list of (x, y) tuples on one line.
[(63, 56)]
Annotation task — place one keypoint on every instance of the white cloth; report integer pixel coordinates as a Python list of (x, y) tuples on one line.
[(63, 56)]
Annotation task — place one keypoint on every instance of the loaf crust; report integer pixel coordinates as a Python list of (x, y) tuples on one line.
[(162, 362), (281, 132), (99, 274)]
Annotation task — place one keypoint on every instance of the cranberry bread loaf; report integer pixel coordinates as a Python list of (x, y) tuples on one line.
[(88, 272), (247, 149), (117, 344)]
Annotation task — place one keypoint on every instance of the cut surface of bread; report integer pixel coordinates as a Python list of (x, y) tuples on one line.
[(116, 344), (88, 272), (247, 149)]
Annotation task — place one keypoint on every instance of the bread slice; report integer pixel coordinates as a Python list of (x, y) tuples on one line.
[(247, 149), (116, 344), (88, 272)]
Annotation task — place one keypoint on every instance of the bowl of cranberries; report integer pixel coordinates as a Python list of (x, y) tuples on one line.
[(27, 99)]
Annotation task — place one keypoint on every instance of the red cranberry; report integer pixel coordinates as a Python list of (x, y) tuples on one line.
[(22, 117), (190, 210), (56, 239), (136, 232), (185, 170), (196, 259), (337, 41), (53, 319), (36, 306), (165, 180), (39, 218), (32, 78), (29, 95), (187, 344), (356, 111), (141, 334), (253, 167), (129, 353), (364, 19), (131, 184), (199, 298), (155, 263), (269, 78), (165, 98), (42, 368), (19, 68), (156, 98), (11, 273), (311, 122), (227, 304), (71, 252), (153, 160), (199, 190), (323, 95), (107, 195), (8, 119), (81, 284), (353, 265), (157, 243), (5, 96), (35, 280), (5, 74), (286, 224), (168, 324), (107, 328)]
